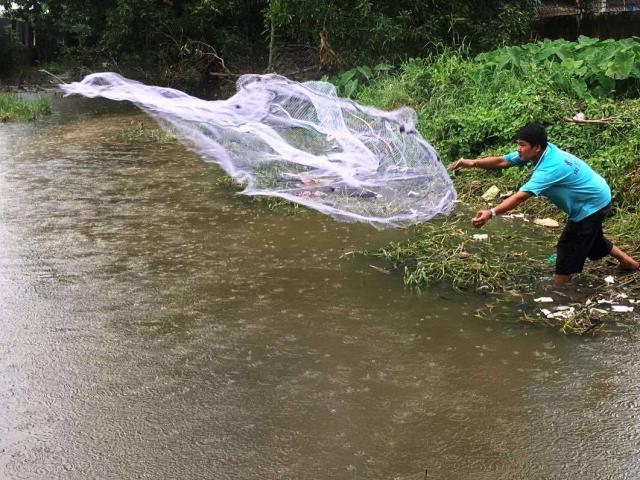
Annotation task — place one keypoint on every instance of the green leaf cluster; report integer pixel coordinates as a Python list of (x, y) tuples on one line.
[(351, 81), (588, 67)]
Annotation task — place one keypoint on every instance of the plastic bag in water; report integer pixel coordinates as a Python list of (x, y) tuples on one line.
[(303, 143)]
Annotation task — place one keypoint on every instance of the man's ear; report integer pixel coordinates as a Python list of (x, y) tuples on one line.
[(537, 149)]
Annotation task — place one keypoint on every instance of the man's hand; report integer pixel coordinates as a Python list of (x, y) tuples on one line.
[(462, 163), (482, 217)]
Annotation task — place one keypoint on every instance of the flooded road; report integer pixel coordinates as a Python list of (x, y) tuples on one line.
[(156, 325)]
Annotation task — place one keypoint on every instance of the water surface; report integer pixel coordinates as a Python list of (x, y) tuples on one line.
[(156, 325)]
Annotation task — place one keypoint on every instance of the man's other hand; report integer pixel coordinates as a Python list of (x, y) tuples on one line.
[(482, 217), (462, 163)]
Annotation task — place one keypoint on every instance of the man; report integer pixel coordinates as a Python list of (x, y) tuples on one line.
[(572, 186)]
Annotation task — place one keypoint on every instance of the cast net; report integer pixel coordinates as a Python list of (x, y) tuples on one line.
[(303, 143)]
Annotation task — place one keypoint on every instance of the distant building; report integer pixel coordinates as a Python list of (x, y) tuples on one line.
[(601, 18), (558, 8), (22, 31)]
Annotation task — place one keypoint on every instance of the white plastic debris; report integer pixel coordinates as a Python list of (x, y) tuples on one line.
[(491, 193), (564, 313), (603, 300), (610, 280), (413, 194), (622, 295), (480, 236), (543, 299), (597, 311), (561, 312), (546, 222), (621, 308)]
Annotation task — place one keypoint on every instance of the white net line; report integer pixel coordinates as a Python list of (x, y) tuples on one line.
[(301, 142)]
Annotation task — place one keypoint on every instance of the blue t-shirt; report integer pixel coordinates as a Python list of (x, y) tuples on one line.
[(567, 181)]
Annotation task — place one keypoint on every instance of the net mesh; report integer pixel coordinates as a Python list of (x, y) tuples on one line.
[(303, 143)]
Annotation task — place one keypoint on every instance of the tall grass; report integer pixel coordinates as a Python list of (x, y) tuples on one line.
[(14, 108)]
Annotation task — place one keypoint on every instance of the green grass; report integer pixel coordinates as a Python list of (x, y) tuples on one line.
[(445, 251), (15, 109)]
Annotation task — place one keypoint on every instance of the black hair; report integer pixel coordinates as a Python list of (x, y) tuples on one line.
[(534, 134)]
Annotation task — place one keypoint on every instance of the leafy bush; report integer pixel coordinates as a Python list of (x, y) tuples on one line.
[(588, 67), (362, 32), (11, 52), (465, 109), (353, 80), (470, 107)]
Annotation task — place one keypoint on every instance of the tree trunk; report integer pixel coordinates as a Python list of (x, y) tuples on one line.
[(272, 42)]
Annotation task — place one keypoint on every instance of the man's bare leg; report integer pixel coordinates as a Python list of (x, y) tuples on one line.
[(626, 262), (561, 279)]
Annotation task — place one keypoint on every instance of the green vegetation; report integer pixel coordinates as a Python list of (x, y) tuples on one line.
[(181, 42), (472, 107), (352, 80), (14, 108), (588, 67), (12, 54), (141, 132), (271, 203), (446, 251), (359, 30)]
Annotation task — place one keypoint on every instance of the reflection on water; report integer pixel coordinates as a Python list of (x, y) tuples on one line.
[(156, 325)]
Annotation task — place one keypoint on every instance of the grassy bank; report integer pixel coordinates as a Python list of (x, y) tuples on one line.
[(13, 108), (472, 107)]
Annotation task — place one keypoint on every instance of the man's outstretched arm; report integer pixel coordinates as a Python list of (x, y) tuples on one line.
[(485, 163), (483, 216)]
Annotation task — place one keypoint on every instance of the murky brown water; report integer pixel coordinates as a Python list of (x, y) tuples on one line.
[(155, 325)]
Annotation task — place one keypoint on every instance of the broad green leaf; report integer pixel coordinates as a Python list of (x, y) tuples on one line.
[(565, 51), (621, 66), (603, 85), (515, 55), (345, 77), (350, 87), (583, 40), (383, 67), (627, 43), (579, 87), (365, 71)]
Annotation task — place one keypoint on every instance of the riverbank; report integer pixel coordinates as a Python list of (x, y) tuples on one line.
[(472, 107)]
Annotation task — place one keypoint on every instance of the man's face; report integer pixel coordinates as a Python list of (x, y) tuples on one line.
[(527, 152)]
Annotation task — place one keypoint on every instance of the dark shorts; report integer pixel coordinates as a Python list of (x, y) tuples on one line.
[(582, 240)]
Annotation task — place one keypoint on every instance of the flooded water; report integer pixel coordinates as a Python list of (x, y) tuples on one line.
[(156, 325)]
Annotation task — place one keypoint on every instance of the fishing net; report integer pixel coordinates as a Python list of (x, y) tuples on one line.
[(301, 142)]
